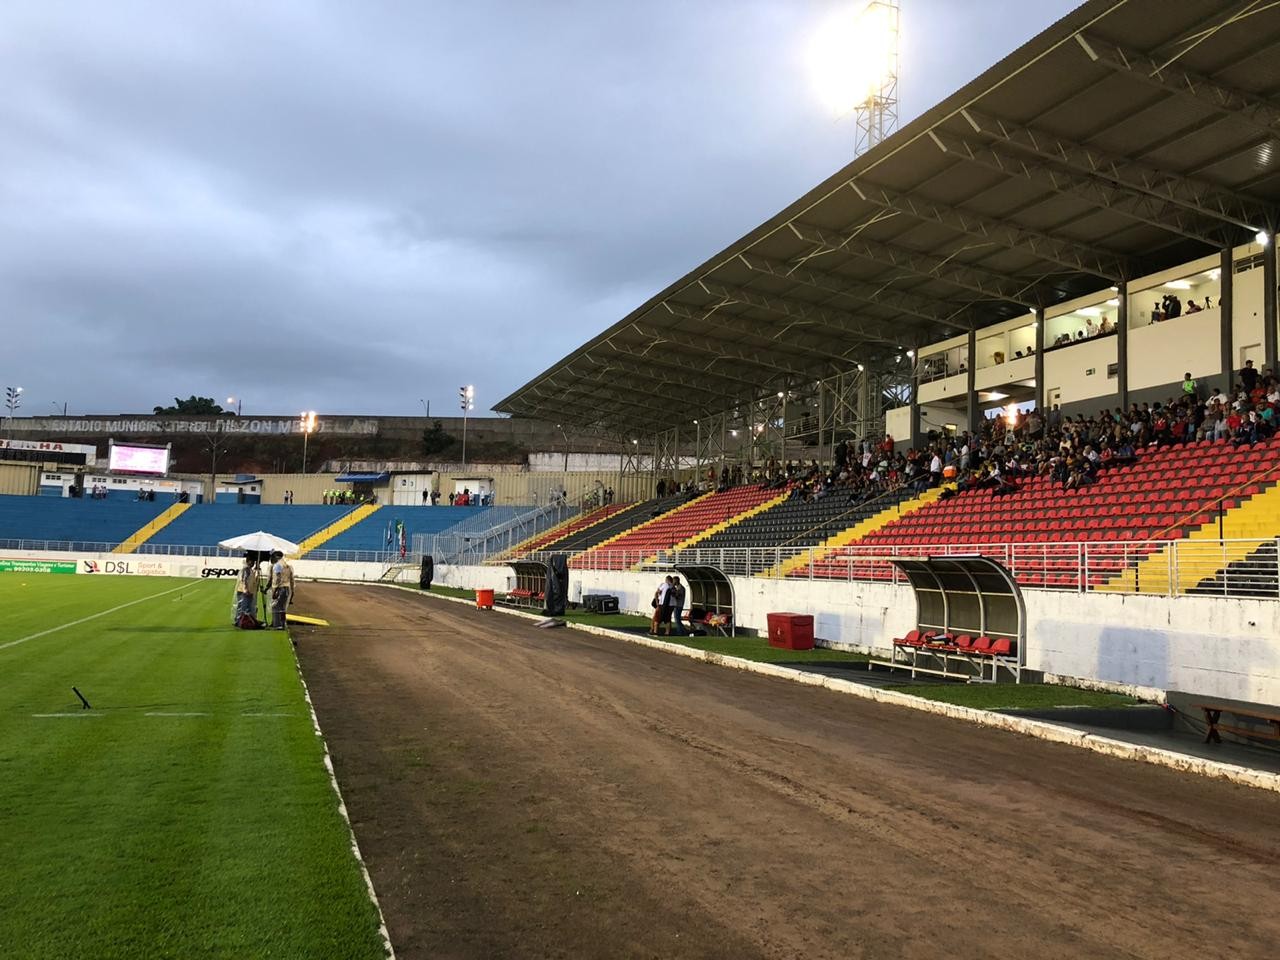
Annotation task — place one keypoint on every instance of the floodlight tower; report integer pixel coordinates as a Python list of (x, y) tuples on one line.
[(877, 116), (467, 400)]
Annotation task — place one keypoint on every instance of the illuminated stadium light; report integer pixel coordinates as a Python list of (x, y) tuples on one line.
[(1263, 237), (853, 61), (307, 424)]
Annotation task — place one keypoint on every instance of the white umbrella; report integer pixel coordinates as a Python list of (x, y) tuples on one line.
[(261, 541)]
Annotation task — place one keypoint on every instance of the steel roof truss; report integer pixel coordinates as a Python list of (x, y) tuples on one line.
[(1258, 111), (1001, 232), (985, 283), (1204, 198), (1142, 207), (727, 349), (808, 313), (881, 295)]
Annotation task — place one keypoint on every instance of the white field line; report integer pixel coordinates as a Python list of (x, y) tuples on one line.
[(342, 809), (78, 713), (94, 616), (1040, 729)]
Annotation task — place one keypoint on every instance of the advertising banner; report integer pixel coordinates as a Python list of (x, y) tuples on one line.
[(132, 567), (37, 566)]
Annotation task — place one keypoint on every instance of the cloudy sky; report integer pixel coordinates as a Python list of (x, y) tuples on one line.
[(354, 206)]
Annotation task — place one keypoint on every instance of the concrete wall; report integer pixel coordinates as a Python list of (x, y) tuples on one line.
[(1190, 342), (1067, 371), (1205, 646)]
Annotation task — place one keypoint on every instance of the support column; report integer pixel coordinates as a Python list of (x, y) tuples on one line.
[(1269, 305), (915, 437), (1122, 345), (1226, 309), (1040, 389), (971, 392)]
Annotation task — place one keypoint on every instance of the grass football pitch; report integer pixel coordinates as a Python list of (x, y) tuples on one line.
[(189, 813)]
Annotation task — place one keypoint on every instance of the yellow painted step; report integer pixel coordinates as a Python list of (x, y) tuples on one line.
[(344, 522), (561, 529), (859, 530), (697, 538), (618, 536), (144, 534), (1177, 570)]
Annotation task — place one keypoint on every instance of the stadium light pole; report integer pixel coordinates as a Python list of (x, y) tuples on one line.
[(854, 63), (467, 400), (12, 401), (237, 401), (307, 424)]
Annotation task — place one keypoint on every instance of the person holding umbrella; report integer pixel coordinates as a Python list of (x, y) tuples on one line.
[(281, 589), (246, 589)]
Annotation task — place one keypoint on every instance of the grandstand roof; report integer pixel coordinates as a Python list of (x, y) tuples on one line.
[(1130, 136)]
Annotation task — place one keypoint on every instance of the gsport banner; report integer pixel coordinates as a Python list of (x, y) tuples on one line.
[(37, 566)]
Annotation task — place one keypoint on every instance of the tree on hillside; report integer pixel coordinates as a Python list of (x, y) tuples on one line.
[(435, 440), (192, 406)]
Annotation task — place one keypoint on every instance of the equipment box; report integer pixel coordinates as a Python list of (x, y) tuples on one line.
[(600, 603), (791, 631)]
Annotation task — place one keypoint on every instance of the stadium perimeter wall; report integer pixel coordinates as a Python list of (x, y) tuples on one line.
[(1213, 647)]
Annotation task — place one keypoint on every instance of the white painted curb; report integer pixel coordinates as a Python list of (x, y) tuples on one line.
[(1041, 729), (342, 809)]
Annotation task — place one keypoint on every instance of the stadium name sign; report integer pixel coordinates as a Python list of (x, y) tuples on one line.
[(168, 425)]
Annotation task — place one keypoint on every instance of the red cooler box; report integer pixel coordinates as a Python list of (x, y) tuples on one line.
[(791, 631)]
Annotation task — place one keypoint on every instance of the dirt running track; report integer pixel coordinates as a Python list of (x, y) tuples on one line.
[(528, 793)]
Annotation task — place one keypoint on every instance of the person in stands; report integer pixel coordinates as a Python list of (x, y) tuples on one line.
[(1249, 377)]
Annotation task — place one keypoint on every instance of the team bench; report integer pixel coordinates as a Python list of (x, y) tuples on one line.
[(721, 623), (1268, 729), (963, 656), (521, 597)]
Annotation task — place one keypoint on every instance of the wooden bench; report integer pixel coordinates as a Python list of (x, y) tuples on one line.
[(1269, 728)]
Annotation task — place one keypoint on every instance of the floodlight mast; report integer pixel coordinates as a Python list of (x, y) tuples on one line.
[(877, 116)]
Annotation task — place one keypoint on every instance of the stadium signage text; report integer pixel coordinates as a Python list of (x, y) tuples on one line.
[(138, 568), (167, 425), (219, 572), (37, 566)]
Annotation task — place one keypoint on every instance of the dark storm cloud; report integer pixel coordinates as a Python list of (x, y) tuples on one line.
[(351, 206)]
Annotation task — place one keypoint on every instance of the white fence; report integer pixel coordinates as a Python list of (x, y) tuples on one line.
[(1162, 568)]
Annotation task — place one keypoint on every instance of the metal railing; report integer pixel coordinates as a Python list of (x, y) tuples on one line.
[(1234, 568), (476, 546), (192, 550), (1164, 568)]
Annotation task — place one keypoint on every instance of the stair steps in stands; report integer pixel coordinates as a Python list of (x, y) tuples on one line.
[(343, 523), (697, 538), (144, 534), (871, 524), (603, 546), (575, 524), (1243, 528)]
